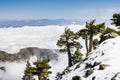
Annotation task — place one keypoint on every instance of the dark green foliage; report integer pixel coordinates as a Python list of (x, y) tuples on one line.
[(89, 72), (94, 30), (96, 63), (95, 43), (88, 65), (103, 66), (118, 32), (28, 72), (41, 69), (76, 78), (113, 79), (116, 19), (84, 34), (108, 33), (90, 30), (59, 75), (77, 56), (67, 42)]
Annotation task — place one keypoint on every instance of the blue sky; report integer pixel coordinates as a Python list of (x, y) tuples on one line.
[(54, 9)]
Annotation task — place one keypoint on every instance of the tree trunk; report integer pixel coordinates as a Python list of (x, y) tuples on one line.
[(39, 78), (86, 44), (91, 43), (69, 56)]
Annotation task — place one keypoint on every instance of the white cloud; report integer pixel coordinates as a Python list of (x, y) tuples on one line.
[(13, 39)]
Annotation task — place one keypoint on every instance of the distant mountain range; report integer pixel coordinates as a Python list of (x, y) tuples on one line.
[(41, 22)]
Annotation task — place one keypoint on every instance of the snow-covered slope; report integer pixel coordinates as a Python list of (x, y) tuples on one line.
[(107, 55)]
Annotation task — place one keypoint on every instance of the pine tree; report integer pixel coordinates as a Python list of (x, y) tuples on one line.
[(108, 33), (77, 56), (84, 34), (28, 72), (41, 69), (116, 19), (91, 29), (94, 30), (67, 42)]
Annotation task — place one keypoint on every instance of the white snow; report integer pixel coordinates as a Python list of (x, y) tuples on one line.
[(111, 49)]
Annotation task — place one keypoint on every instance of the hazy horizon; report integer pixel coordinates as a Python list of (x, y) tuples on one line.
[(58, 9)]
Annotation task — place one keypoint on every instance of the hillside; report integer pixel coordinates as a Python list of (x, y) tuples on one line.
[(26, 53), (103, 63)]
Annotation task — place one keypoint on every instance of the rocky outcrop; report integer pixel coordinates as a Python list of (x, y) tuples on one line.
[(4, 56), (50, 54), (26, 53)]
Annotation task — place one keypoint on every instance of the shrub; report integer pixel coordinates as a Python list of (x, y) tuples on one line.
[(93, 78), (96, 63), (102, 66), (60, 74), (88, 65), (89, 72), (76, 78)]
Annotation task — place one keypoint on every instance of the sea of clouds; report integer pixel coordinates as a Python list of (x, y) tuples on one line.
[(13, 39)]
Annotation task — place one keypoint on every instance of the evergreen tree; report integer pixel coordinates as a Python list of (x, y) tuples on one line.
[(116, 19), (28, 72), (108, 33), (84, 34), (91, 29), (67, 42), (77, 56), (41, 69)]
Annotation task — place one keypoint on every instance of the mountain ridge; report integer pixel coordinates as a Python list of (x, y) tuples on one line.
[(39, 22), (26, 53)]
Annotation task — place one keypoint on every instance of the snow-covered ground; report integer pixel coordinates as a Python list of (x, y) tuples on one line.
[(107, 53)]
